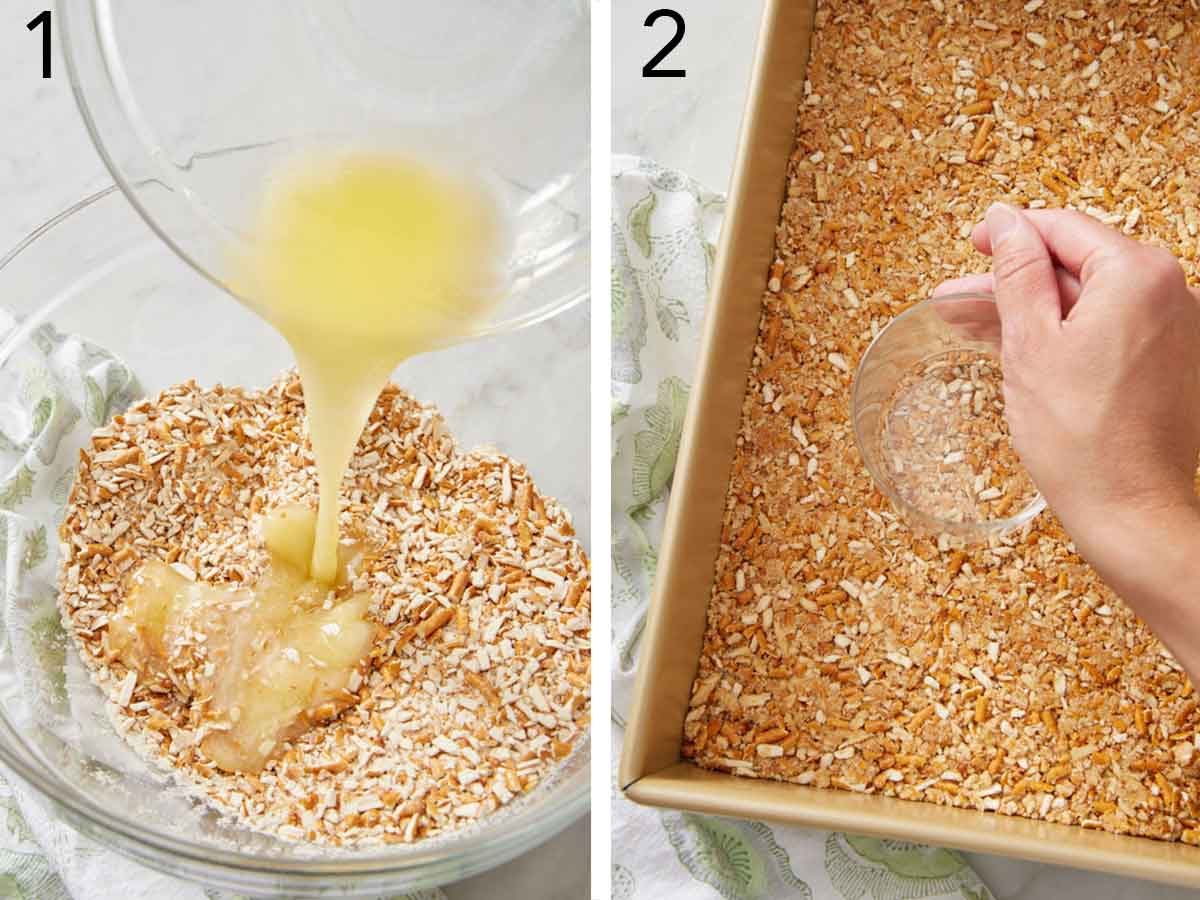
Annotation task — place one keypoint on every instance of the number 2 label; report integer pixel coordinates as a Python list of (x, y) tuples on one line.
[(650, 69)]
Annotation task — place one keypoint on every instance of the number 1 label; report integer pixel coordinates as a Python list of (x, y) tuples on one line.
[(42, 20)]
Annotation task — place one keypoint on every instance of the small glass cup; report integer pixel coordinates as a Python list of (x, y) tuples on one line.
[(928, 421)]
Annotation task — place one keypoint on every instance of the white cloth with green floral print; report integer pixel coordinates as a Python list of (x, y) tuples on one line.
[(664, 232), (54, 389)]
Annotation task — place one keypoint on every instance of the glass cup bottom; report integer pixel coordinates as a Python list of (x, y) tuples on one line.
[(928, 420)]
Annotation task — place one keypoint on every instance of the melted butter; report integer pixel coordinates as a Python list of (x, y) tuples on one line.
[(361, 262), (269, 660)]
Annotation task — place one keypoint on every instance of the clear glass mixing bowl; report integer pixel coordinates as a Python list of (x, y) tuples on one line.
[(97, 271), (193, 105)]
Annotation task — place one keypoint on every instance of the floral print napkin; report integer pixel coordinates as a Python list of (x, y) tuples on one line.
[(664, 232)]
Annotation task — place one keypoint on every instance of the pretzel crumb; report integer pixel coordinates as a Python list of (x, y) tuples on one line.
[(477, 686)]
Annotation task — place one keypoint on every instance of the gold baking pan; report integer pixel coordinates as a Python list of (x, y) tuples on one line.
[(652, 771)]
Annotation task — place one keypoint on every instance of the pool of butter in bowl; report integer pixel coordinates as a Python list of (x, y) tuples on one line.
[(280, 655)]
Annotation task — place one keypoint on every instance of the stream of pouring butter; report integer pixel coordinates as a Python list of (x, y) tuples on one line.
[(360, 262)]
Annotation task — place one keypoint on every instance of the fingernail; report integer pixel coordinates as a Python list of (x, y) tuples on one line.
[(1001, 219)]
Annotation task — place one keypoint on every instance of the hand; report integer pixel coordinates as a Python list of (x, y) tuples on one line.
[(1101, 358)]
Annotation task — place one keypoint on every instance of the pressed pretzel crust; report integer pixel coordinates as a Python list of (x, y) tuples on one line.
[(841, 651)]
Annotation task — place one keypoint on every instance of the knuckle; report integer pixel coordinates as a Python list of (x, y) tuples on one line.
[(1161, 268), (1018, 265)]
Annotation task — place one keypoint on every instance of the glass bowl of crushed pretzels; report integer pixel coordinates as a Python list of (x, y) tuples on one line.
[(928, 411), (145, 413)]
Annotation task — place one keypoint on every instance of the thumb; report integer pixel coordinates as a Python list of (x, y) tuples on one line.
[(1026, 285)]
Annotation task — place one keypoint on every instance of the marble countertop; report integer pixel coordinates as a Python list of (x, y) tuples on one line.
[(47, 162), (692, 123)]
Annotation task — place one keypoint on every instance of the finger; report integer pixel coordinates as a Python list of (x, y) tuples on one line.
[(969, 321), (1023, 272), (1076, 240), (1069, 287), (964, 312), (980, 283)]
